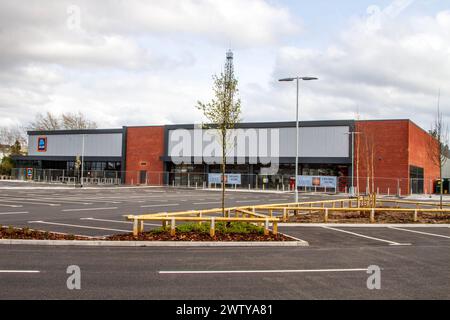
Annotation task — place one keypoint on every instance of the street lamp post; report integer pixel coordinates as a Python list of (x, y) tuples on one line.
[(82, 161), (297, 128)]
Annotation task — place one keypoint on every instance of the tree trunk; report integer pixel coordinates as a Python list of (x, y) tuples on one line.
[(440, 177), (223, 172)]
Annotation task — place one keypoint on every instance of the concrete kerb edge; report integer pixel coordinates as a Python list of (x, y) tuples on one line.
[(100, 243)]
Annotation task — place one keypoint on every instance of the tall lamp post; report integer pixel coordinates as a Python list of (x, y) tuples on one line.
[(297, 128), (82, 161)]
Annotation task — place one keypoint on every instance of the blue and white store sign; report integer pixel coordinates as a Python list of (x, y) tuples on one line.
[(216, 178), (317, 181)]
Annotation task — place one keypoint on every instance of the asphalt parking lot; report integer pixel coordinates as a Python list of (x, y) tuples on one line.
[(100, 211), (414, 259)]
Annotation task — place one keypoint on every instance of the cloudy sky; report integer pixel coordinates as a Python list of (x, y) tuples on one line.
[(148, 62)]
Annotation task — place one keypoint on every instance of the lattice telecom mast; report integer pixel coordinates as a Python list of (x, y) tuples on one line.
[(229, 68)]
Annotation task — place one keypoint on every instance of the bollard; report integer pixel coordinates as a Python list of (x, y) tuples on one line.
[(266, 227), (172, 227), (372, 216), (200, 215), (212, 230), (416, 217), (135, 227), (284, 215), (326, 215), (275, 228)]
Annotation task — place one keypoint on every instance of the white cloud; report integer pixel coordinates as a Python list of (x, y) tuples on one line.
[(394, 71), (124, 62)]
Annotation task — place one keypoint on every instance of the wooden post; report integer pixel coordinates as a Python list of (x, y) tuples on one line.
[(284, 215), (372, 216), (310, 205), (275, 228), (141, 226), (135, 227), (172, 227), (416, 217), (266, 227), (212, 230), (342, 203), (326, 215), (271, 213), (200, 215)]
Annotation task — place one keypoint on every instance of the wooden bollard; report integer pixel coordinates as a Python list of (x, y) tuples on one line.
[(135, 227), (326, 215), (266, 227), (284, 215), (275, 228), (372, 216), (172, 227), (212, 229), (200, 215), (416, 217)]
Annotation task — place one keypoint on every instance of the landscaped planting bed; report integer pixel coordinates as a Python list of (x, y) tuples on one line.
[(364, 217), (184, 232)]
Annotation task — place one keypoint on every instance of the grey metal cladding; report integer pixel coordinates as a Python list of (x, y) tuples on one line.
[(315, 142), (95, 145)]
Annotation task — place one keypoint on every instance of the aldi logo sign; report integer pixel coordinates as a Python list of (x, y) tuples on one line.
[(42, 144)]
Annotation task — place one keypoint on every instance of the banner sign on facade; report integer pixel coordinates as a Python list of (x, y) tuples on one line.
[(317, 181), (216, 178), (42, 144)]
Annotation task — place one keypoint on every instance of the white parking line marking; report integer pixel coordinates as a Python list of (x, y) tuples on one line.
[(119, 221), (215, 202), (11, 205), (77, 226), (263, 271), (245, 201), (46, 200), (421, 232), (392, 243), (160, 205), (18, 212), (89, 209), (19, 271), (30, 202)]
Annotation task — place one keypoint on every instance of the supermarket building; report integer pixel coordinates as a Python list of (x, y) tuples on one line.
[(385, 156)]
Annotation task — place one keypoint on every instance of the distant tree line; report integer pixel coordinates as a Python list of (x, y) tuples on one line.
[(13, 140)]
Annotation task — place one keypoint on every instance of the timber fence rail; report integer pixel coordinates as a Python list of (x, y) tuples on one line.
[(274, 213)]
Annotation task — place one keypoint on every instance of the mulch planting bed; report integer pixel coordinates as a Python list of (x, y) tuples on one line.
[(195, 236), (28, 234), (380, 217)]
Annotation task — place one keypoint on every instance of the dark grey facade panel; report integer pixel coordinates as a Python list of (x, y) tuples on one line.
[(289, 124), (65, 158), (67, 132)]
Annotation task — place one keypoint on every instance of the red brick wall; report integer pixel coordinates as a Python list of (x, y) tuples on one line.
[(391, 164), (420, 143), (145, 146)]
